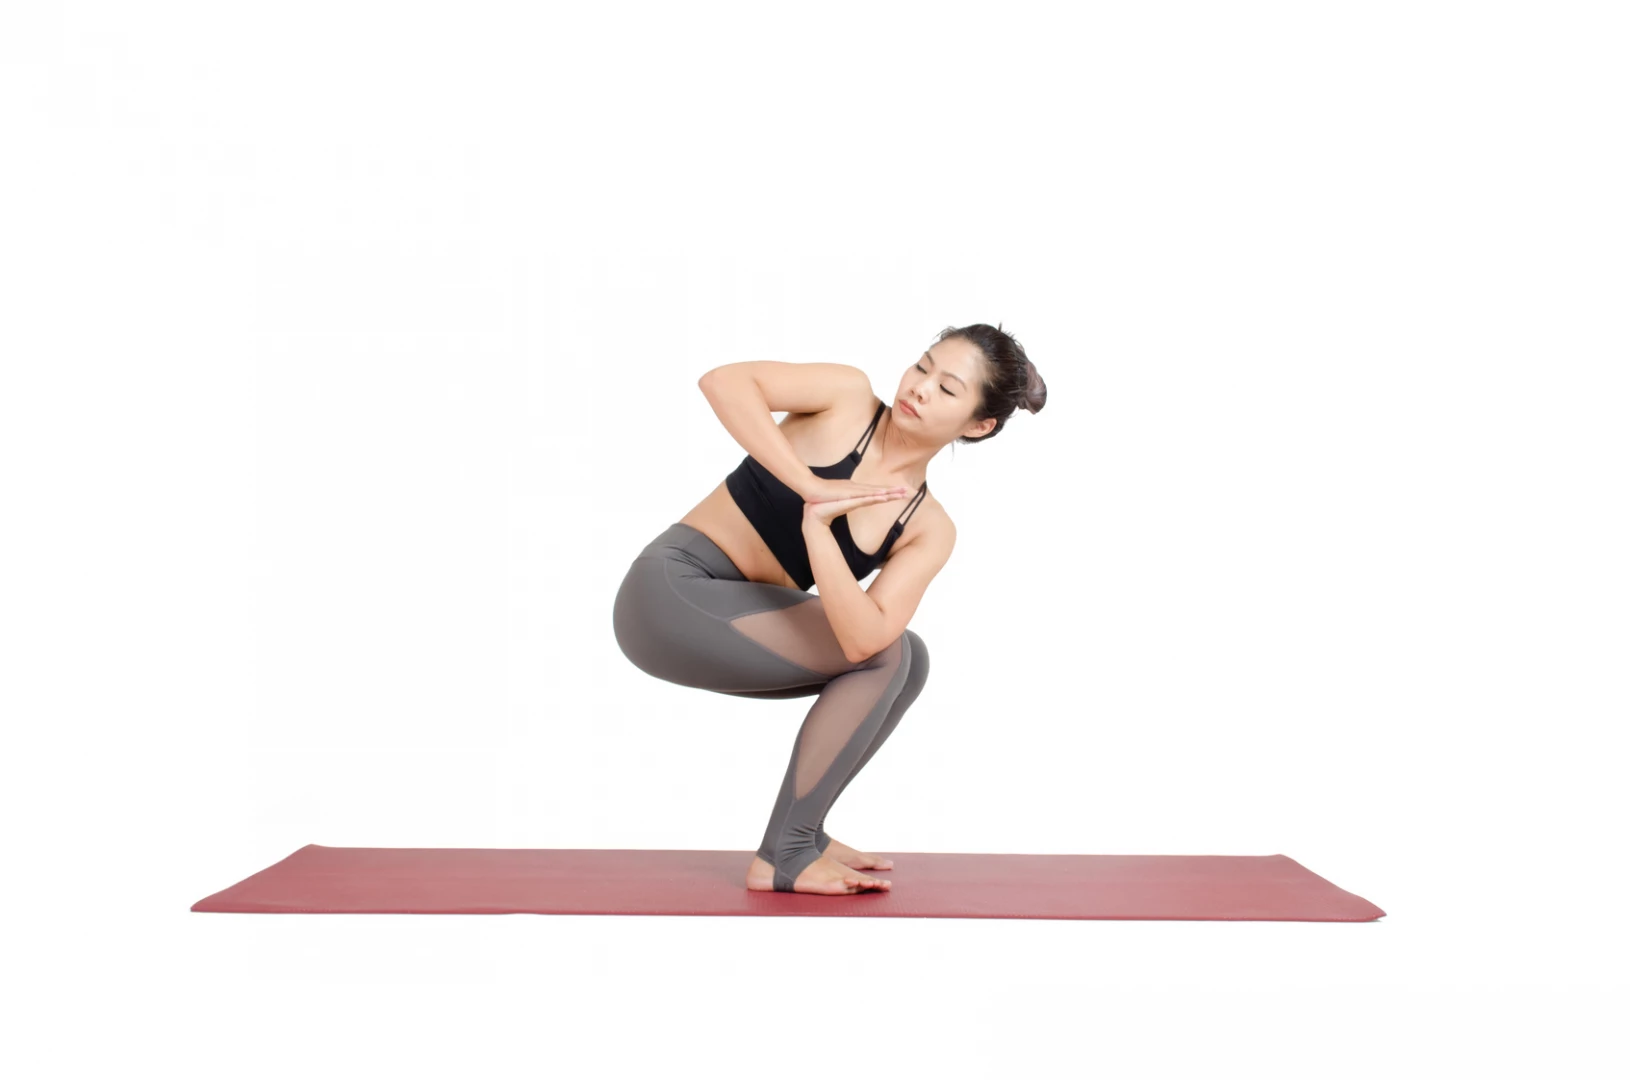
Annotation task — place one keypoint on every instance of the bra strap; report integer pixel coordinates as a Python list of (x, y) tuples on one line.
[(867, 437), (911, 508)]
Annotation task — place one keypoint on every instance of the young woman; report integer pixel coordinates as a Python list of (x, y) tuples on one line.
[(720, 599)]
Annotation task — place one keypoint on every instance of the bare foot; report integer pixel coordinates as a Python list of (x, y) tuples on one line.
[(825, 875), (855, 860)]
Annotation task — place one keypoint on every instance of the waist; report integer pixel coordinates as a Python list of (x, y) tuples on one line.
[(692, 545), (773, 514)]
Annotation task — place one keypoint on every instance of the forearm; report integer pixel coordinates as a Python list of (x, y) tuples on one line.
[(745, 413), (854, 617)]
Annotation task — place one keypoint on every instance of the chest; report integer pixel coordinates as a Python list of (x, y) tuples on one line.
[(869, 531)]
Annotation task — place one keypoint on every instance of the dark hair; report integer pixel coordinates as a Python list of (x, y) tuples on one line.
[(1011, 381)]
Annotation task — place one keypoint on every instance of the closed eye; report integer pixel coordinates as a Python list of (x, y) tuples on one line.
[(924, 370)]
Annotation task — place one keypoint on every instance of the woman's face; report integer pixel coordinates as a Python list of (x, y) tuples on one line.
[(943, 388)]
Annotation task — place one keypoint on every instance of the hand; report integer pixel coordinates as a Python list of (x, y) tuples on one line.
[(827, 499)]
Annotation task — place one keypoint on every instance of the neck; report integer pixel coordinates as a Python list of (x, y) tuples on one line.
[(902, 455)]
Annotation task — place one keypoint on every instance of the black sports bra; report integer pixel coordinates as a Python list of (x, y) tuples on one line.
[(777, 512)]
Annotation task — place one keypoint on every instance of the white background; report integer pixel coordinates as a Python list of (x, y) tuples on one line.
[(350, 354)]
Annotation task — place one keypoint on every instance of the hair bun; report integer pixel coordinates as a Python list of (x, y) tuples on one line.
[(1035, 391)]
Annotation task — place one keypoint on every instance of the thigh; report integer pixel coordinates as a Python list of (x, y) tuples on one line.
[(800, 633), (679, 623)]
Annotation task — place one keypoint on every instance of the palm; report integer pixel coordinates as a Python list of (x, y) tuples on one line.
[(828, 509)]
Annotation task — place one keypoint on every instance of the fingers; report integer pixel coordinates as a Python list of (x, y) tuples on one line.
[(885, 493), (859, 500)]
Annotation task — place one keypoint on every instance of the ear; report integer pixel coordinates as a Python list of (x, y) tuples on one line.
[(981, 428)]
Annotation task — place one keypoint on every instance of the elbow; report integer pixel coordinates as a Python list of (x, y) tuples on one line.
[(856, 656), (866, 650), (725, 375), (716, 383)]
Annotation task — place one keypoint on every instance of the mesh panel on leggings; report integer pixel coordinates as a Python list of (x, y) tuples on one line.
[(852, 697), (842, 726), (800, 633)]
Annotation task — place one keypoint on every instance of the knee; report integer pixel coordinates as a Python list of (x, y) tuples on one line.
[(906, 650), (918, 659)]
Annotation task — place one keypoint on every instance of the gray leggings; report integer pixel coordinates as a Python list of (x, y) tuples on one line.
[(685, 614)]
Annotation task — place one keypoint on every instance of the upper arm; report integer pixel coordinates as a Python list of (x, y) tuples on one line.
[(901, 583), (796, 388)]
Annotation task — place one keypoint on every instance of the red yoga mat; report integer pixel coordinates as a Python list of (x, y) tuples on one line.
[(926, 885)]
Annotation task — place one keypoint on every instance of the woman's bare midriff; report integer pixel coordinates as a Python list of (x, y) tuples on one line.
[(721, 520), (815, 437)]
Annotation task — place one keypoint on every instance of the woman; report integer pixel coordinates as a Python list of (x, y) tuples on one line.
[(720, 601)]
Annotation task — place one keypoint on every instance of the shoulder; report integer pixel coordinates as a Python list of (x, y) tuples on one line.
[(855, 401), (858, 408), (857, 388)]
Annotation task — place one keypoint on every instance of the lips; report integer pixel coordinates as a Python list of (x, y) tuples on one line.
[(904, 405)]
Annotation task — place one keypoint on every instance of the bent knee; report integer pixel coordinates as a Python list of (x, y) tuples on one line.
[(919, 654), (889, 656), (908, 648)]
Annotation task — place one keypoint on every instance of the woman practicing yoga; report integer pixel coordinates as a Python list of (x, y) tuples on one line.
[(720, 599)]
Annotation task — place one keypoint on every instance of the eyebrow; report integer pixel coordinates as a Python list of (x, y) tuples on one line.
[(949, 374)]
